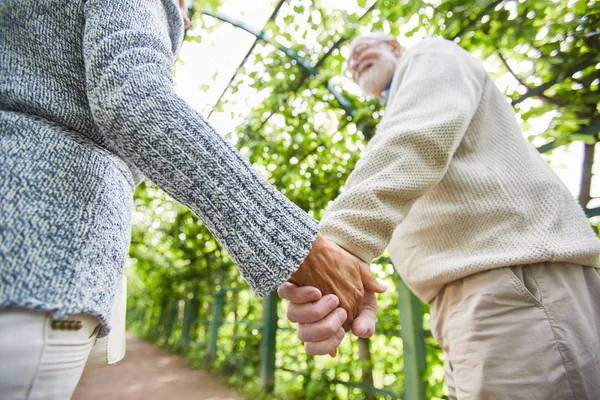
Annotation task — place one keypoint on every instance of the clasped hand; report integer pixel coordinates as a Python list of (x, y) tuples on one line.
[(332, 292)]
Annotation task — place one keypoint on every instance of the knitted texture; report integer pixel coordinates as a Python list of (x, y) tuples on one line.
[(451, 184), (86, 108)]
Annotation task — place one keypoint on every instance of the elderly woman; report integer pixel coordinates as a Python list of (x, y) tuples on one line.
[(87, 109)]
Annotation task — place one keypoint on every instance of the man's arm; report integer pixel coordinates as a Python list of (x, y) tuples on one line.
[(424, 124)]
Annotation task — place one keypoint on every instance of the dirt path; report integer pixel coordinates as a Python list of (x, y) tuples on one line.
[(150, 373)]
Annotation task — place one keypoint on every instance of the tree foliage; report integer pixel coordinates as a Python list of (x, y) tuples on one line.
[(305, 136)]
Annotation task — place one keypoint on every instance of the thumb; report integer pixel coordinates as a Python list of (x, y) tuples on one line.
[(364, 325), (369, 281)]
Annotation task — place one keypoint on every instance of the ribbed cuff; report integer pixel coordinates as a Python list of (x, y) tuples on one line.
[(348, 245), (265, 280)]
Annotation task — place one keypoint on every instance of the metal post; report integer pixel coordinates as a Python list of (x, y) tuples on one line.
[(159, 321), (191, 311), (171, 321), (269, 343), (215, 323), (364, 355), (413, 338)]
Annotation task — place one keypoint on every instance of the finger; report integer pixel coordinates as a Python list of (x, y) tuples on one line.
[(364, 325), (369, 282), (326, 346), (333, 353), (312, 312), (300, 295), (354, 312), (347, 326), (323, 329)]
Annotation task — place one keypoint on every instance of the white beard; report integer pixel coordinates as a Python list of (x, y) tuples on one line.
[(373, 80)]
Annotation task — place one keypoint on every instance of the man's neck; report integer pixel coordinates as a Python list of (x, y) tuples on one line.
[(383, 96)]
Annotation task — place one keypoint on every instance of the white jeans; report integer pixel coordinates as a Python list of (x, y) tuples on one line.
[(39, 359)]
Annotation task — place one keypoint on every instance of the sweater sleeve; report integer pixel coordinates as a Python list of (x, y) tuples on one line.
[(129, 48), (425, 121)]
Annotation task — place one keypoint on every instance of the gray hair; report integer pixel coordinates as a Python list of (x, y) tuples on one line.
[(377, 36)]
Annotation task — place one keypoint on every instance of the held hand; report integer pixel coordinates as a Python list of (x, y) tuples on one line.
[(320, 319), (333, 270)]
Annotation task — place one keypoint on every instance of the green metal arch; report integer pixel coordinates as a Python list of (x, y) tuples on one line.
[(310, 69)]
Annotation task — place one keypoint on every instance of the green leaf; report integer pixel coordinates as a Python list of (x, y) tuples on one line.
[(214, 4), (288, 19)]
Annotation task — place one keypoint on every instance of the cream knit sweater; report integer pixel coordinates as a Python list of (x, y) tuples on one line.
[(450, 183)]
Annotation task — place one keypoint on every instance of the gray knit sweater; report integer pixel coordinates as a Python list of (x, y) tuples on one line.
[(87, 109)]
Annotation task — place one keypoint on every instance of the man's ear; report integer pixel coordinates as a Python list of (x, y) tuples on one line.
[(396, 49)]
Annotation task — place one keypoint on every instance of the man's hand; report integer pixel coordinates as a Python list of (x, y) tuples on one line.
[(333, 270), (320, 319)]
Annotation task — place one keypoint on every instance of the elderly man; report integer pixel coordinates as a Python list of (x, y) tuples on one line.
[(475, 222)]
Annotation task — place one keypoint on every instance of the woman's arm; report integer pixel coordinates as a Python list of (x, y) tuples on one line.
[(129, 48)]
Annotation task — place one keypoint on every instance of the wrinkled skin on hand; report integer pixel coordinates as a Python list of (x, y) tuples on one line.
[(333, 270)]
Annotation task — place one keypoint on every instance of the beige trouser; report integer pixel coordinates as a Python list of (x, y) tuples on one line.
[(529, 332)]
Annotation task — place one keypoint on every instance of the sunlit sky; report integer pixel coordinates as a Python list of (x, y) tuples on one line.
[(207, 67)]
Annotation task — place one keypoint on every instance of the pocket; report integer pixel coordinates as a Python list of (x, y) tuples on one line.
[(111, 349), (77, 329), (524, 281), (66, 351)]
